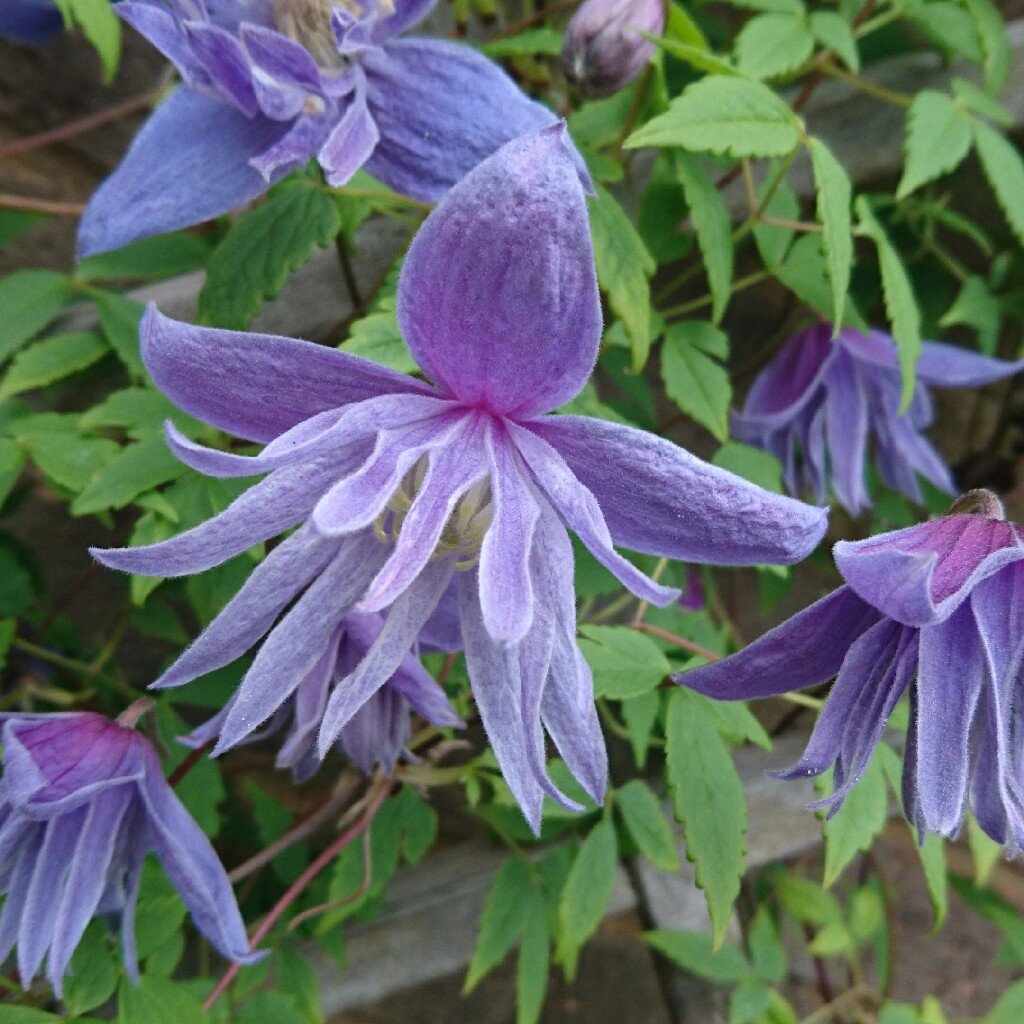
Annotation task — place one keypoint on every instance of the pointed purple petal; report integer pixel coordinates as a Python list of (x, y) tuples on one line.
[(406, 14), (947, 366), (226, 62), (498, 296), (164, 31), (660, 499), (951, 670), (806, 650), (846, 423), (351, 142), (257, 386), (189, 163)]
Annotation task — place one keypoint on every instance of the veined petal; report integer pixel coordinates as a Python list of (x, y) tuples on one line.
[(255, 608), (309, 701), (191, 864), (226, 62), (506, 587), (920, 575), (498, 295), (948, 366), (296, 644), (950, 674), (582, 512), (846, 423), (406, 13), (351, 142), (425, 697), (164, 31), (189, 163), (268, 508), (660, 499), (451, 472), (280, 57), (17, 891), (806, 650), (258, 386), (404, 621)]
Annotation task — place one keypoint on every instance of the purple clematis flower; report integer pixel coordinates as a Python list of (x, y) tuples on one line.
[(82, 801), (815, 405), (468, 477), (939, 608), (377, 734), (29, 21), (271, 84)]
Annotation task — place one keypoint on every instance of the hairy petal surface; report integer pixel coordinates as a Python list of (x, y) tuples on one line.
[(498, 295), (660, 499)]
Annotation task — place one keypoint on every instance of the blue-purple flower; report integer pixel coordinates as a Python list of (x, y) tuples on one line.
[(402, 485), (29, 21), (604, 50), (270, 84), (82, 801), (378, 733), (938, 608), (818, 402)]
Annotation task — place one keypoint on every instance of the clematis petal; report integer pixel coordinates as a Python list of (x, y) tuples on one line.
[(17, 891), (164, 31), (404, 621), (806, 650), (268, 508), (441, 109), (29, 21), (257, 386), (293, 648), (498, 295), (425, 697), (189, 163), (192, 866), (951, 670), (920, 575), (506, 587), (280, 58), (583, 514), (406, 13), (350, 143), (255, 608), (948, 366), (846, 424), (226, 63), (660, 499)]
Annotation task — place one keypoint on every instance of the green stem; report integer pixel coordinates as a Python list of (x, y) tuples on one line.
[(899, 99), (705, 300)]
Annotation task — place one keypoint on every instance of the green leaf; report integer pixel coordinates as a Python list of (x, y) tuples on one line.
[(640, 715), (641, 811), (735, 721), (536, 40), (697, 56), (377, 337), (28, 1015), (267, 1005), (29, 299), (938, 137), (272, 820), (933, 860), (986, 852), (297, 978), (766, 949), (64, 456), (102, 28), (898, 1013), (136, 468), (50, 360), (92, 977), (696, 953), (854, 826), (834, 193), (261, 249), (158, 1001), (155, 257), (587, 892), (867, 913), (975, 306), (502, 920), (750, 1002), (534, 960), (709, 801), (12, 461), (770, 45), (623, 268), (625, 663), (772, 240), (160, 910), (804, 273), (834, 939), (997, 53), (419, 825), (753, 464), (980, 102), (724, 115), (808, 902), (1004, 169), (140, 411), (949, 26), (695, 381), (713, 227), (1009, 1008), (900, 304), (14, 223), (833, 31), (119, 318)]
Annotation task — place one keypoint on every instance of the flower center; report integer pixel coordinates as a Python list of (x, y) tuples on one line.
[(466, 526), (309, 22)]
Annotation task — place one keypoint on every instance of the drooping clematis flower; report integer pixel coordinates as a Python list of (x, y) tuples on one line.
[(603, 50), (467, 477), (819, 400), (377, 734), (271, 84), (29, 21), (82, 801), (939, 608)]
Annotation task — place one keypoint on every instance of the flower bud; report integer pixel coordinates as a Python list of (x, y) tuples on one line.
[(603, 50)]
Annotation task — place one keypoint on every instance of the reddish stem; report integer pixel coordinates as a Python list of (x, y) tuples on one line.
[(192, 758), (672, 638), (52, 206), (307, 876)]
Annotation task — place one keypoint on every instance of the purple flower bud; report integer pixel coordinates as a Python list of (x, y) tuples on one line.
[(603, 49), (82, 801)]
